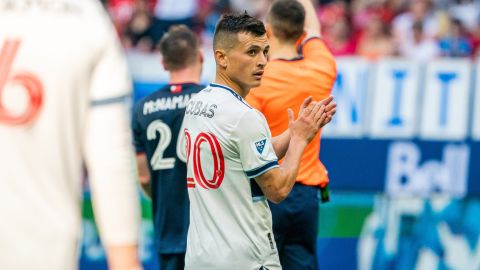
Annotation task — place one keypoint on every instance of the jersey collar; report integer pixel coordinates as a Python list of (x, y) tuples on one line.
[(231, 91)]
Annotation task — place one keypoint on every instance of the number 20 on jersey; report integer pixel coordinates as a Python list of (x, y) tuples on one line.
[(193, 151)]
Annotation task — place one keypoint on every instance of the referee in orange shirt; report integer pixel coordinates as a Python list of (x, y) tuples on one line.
[(300, 66)]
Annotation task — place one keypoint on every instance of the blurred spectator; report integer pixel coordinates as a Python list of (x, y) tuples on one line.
[(421, 48), (363, 10), (475, 39), (371, 28), (456, 43), (419, 11), (336, 29), (376, 40), (170, 12), (329, 13), (121, 12), (215, 10), (396, 6), (256, 8), (339, 38), (137, 32), (467, 11)]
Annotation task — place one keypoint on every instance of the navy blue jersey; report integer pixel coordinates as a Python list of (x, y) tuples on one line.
[(156, 125)]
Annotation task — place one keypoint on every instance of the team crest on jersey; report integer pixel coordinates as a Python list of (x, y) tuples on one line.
[(260, 145)]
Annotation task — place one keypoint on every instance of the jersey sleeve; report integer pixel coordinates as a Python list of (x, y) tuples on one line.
[(107, 145), (315, 52), (254, 143), (137, 133)]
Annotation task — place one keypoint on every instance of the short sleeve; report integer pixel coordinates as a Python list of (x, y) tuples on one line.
[(254, 143), (137, 132)]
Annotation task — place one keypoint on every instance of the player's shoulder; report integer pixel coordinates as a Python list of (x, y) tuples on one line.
[(317, 54), (279, 67), (249, 118), (169, 90), (168, 97), (229, 96), (192, 87), (139, 105), (225, 99), (153, 95), (250, 123), (314, 44)]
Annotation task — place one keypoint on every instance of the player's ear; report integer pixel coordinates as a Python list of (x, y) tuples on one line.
[(164, 64), (304, 35), (221, 58), (268, 28), (200, 56)]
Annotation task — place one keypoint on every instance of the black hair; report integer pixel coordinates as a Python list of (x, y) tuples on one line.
[(231, 24)]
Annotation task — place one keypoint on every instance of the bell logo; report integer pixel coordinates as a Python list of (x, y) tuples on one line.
[(408, 175)]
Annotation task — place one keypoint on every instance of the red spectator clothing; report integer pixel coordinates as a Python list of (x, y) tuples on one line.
[(347, 48)]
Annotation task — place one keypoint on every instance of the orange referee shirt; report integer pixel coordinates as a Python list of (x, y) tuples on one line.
[(285, 84)]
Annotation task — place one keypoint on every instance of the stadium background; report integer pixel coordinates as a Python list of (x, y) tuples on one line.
[(403, 152)]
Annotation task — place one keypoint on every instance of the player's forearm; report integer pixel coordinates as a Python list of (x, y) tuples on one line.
[(144, 174), (289, 169), (111, 169), (280, 144), (312, 24), (147, 189), (123, 257)]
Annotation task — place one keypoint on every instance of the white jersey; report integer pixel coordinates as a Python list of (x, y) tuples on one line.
[(228, 145), (63, 83)]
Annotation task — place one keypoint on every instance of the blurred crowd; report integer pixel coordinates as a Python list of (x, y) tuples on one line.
[(418, 29)]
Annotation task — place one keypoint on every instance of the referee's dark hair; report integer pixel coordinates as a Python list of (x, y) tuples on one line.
[(230, 25), (179, 47), (287, 18)]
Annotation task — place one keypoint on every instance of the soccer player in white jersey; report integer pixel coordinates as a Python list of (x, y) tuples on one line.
[(232, 166), (63, 87)]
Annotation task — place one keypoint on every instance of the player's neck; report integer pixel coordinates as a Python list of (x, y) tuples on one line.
[(222, 79), (282, 51), (187, 75)]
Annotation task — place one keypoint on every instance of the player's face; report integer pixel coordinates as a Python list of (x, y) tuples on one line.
[(247, 60)]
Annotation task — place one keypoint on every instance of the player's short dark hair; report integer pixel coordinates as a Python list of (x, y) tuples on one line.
[(287, 18), (231, 24), (179, 47)]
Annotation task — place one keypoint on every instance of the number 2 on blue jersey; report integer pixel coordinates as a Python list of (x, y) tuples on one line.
[(158, 161)]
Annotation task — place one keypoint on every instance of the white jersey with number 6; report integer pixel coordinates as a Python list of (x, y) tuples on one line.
[(63, 88), (228, 145)]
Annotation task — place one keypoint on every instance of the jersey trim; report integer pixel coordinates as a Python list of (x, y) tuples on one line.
[(231, 91), (296, 58), (261, 170), (259, 198), (300, 48), (108, 101)]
